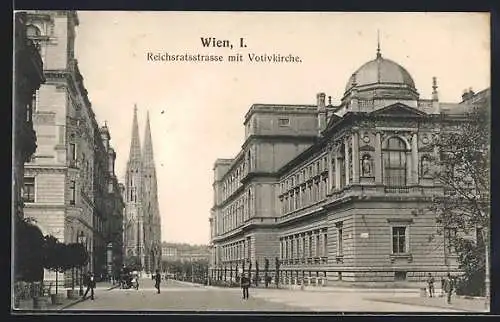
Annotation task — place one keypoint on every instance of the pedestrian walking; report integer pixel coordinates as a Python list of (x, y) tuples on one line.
[(442, 286), (157, 277), (430, 283), (90, 281), (245, 284), (448, 287)]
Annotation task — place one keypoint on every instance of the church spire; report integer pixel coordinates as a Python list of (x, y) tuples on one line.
[(135, 143), (378, 44), (148, 156)]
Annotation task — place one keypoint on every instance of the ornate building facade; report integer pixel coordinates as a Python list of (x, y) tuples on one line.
[(142, 223), (28, 76), (337, 193), (70, 174)]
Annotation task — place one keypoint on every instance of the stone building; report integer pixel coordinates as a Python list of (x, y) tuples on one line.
[(142, 223), (184, 252), (337, 192), (28, 76), (69, 173)]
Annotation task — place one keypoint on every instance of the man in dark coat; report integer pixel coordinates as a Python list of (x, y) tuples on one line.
[(448, 287), (245, 284), (430, 284), (90, 282), (157, 280)]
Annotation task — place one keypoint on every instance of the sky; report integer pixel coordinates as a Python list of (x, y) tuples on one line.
[(197, 109)]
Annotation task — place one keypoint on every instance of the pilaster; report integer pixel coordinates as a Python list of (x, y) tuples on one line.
[(378, 158)]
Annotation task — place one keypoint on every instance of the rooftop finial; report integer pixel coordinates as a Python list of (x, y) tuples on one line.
[(135, 107), (378, 44), (106, 123), (434, 84), (329, 100), (354, 80)]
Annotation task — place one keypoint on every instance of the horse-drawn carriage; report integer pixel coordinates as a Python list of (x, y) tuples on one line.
[(129, 280)]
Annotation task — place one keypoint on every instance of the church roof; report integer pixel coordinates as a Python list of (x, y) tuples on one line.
[(147, 152)]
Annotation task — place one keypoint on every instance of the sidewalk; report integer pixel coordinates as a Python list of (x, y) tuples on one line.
[(336, 289), (100, 286), (457, 303)]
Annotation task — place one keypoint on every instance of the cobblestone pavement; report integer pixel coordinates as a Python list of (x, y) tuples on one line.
[(180, 296)]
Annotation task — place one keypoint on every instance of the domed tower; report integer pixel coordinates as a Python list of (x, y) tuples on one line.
[(378, 83)]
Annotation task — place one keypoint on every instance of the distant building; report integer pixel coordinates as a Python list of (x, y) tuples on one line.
[(184, 252), (142, 222), (334, 193)]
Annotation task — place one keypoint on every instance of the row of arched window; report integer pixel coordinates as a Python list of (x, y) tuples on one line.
[(296, 192)]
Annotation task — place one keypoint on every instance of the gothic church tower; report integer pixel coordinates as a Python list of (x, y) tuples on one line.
[(142, 224), (152, 225), (133, 225)]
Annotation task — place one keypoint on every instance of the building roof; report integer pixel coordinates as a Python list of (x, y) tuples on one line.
[(380, 71)]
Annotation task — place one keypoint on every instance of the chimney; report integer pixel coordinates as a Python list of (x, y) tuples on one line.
[(111, 161), (435, 97), (321, 112), (354, 104), (105, 137)]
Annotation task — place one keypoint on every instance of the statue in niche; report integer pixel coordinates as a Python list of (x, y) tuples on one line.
[(366, 166), (426, 167)]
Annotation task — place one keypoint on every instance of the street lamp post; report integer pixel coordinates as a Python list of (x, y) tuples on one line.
[(192, 271), (82, 240)]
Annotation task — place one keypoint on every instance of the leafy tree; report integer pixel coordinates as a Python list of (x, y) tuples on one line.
[(463, 169), (53, 256), (28, 245)]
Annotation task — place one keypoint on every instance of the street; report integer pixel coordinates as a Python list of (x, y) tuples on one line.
[(181, 296)]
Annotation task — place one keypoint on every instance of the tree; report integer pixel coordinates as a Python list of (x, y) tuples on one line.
[(53, 255), (28, 251), (77, 256), (463, 169)]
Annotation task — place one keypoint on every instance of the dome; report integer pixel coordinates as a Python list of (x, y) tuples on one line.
[(381, 71)]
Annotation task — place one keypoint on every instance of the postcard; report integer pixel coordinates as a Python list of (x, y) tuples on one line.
[(251, 162)]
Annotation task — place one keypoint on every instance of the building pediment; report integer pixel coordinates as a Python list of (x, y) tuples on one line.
[(398, 109)]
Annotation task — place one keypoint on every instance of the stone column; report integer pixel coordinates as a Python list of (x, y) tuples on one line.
[(337, 173), (409, 168), (414, 154), (346, 158), (378, 159), (330, 172), (355, 157)]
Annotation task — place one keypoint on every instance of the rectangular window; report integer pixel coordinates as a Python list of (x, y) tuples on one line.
[(400, 276), (283, 122), (340, 239), (72, 151), (281, 248), (399, 240), (72, 192), (317, 246), (325, 245), (29, 189), (310, 246), (303, 246), (449, 237)]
